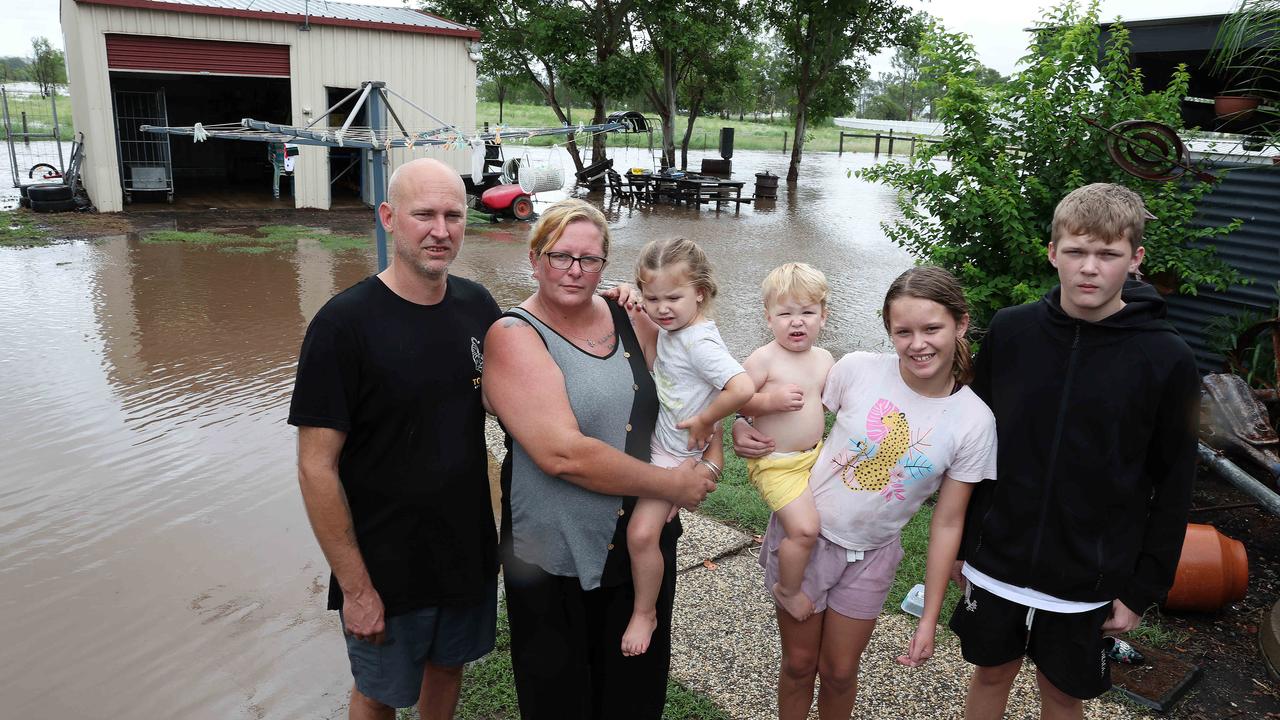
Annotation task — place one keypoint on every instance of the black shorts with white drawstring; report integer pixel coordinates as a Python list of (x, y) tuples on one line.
[(1066, 647)]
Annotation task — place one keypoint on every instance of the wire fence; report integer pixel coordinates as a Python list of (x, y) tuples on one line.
[(33, 131)]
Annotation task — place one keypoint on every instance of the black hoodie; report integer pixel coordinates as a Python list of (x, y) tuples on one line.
[(1097, 446)]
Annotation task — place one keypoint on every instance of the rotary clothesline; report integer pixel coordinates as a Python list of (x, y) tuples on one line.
[(377, 137), (369, 138)]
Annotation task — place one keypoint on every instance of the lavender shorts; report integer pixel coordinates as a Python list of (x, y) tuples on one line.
[(856, 589)]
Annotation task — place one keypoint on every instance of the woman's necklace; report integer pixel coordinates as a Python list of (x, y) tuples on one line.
[(608, 340)]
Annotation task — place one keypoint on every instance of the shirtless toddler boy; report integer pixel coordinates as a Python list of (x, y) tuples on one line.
[(790, 373)]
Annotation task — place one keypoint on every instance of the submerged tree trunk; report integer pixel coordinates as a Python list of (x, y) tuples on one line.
[(549, 92), (797, 147), (669, 114), (694, 105), (598, 140)]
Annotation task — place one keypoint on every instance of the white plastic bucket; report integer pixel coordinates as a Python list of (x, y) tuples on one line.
[(543, 178)]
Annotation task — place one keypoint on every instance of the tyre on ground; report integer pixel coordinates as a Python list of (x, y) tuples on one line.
[(49, 193), (52, 206)]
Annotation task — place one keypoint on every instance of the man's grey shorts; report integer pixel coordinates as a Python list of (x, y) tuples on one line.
[(391, 673)]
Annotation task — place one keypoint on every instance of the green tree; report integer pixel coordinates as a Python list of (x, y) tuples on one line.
[(679, 36), (13, 69), (552, 44), (826, 43), (710, 85), (1013, 153), (607, 69), (47, 65), (909, 91), (766, 73)]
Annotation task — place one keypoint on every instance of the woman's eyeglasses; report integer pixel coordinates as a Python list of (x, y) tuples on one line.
[(564, 261)]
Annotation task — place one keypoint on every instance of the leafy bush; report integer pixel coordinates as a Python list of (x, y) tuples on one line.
[(1256, 362), (1017, 149)]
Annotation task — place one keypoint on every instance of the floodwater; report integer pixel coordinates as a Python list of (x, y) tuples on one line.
[(154, 553)]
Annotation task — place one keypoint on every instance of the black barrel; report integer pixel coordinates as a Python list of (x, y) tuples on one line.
[(726, 142), (766, 185)]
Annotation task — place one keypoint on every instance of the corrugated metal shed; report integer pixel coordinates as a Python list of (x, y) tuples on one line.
[(431, 65), (320, 11), (336, 10), (1251, 193)]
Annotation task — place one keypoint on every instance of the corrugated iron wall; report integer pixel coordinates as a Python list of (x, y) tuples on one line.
[(1251, 193)]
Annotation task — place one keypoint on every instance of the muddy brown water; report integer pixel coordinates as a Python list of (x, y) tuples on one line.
[(155, 558)]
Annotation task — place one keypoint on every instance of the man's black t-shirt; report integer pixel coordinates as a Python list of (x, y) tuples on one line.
[(402, 380)]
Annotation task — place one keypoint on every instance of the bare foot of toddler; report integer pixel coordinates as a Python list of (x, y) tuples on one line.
[(635, 641)]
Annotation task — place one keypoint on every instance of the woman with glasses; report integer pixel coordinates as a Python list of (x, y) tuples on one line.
[(570, 383)]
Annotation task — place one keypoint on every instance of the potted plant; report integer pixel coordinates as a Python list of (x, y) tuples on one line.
[(1232, 107), (1246, 52)]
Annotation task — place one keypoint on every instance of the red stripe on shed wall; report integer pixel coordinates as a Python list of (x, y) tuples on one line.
[(167, 54)]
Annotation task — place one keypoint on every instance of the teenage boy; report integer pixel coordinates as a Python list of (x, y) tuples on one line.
[(1095, 397)]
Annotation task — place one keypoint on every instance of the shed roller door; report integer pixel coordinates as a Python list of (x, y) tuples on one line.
[(181, 55)]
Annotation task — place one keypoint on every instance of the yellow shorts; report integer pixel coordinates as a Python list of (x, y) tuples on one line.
[(781, 478)]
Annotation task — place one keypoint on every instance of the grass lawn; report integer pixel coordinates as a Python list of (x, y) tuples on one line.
[(18, 228), (271, 237), (24, 228), (748, 134)]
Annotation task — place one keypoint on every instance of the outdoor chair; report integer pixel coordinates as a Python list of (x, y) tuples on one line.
[(621, 190)]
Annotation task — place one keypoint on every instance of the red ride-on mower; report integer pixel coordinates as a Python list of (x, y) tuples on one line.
[(508, 200)]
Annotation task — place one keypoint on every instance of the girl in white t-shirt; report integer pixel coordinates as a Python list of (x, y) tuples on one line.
[(906, 426), (699, 384)]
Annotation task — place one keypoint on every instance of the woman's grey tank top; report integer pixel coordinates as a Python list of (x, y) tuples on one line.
[(559, 526)]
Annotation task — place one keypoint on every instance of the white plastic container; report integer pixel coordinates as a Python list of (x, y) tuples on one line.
[(541, 178), (913, 603)]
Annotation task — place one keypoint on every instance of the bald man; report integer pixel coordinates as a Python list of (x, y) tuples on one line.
[(392, 459)]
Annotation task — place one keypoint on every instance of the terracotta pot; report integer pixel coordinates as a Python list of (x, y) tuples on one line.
[(1213, 571), (1235, 106)]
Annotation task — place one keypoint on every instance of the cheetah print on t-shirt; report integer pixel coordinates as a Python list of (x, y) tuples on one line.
[(873, 473)]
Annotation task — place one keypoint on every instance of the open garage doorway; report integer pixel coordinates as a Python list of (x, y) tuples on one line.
[(217, 173), (346, 165)]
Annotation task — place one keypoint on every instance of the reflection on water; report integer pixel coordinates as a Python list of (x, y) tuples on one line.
[(153, 549)]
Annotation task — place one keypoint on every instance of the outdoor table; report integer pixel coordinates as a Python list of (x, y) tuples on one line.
[(702, 191), (691, 189)]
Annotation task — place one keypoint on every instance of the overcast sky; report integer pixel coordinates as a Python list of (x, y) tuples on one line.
[(996, 27)]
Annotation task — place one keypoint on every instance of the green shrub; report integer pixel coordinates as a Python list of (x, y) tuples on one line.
[(1017, 149)]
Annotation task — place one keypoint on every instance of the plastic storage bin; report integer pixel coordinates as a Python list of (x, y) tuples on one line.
[(913, 603)]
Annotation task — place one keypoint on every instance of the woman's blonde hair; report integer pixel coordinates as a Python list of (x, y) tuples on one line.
[(798, 281), (933, 283), (659, 254), (546, 232)]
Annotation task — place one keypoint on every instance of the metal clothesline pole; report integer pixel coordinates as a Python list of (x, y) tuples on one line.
[(379, 158)]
